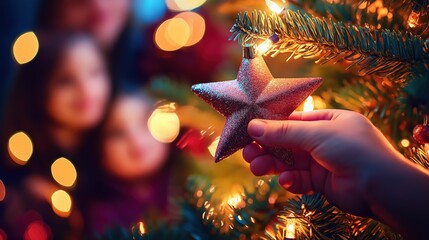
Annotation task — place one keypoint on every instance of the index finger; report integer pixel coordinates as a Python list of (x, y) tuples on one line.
[(316, 115)]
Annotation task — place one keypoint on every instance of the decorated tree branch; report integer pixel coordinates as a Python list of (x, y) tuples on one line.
[(387, 53)]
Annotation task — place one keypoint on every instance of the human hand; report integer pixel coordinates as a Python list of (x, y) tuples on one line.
[(335, 153)]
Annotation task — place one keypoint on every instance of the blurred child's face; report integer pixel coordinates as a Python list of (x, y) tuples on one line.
[(129, 150), (79, 88), (103, 19)]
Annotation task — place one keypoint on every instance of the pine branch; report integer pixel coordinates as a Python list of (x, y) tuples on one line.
[(419, 155), (211, 217), (377, 101), (315, 218), (384, 52)]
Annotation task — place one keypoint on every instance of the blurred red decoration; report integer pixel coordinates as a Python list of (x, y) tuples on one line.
[(421, 132), (194, 141), (37, 230)]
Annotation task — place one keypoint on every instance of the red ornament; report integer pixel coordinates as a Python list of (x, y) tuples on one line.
[(254, 94), (421, 132)]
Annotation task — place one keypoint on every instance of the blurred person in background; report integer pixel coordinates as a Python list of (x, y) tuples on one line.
[(135, 168), (56, 99), (109, 22)]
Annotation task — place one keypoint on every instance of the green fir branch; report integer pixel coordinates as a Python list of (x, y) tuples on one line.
[(386, 53)]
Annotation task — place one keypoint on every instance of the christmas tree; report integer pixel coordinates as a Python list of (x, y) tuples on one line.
[(381, 56)]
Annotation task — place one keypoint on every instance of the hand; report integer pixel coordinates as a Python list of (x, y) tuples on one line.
[(342, 155)]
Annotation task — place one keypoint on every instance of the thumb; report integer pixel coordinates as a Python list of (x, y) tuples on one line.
[(305, 135)]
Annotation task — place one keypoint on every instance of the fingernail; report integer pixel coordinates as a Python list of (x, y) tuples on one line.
[(256, 128)]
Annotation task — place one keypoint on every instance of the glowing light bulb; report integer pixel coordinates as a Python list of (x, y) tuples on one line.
[(413, 19), (264, 47), (142, 229), (61, 203), (64, 172), (290, 227), (164, 124), (20, 148), (267, 44), (405, 143), (309, 104), (274, 7), (25, 47)]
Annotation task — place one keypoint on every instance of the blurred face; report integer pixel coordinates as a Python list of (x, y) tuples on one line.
[(79, 88), (129, 150), (103, 19)]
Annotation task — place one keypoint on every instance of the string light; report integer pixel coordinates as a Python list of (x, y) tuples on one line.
[(267, 44), (274, 7), (61, 203), (20, 148), (309, 104), (290, 227), (64, 172), (25, 47)]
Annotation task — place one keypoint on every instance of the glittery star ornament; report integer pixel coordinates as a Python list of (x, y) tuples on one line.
[(254, 94)]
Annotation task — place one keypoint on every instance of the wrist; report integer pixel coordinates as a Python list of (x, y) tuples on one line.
[(379, 176)]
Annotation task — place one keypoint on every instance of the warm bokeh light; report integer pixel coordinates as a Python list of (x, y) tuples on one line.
[(142, 229), (2, 190), (309, 104), (197, 26), (164, 124), (37, 230), (213, 146), (235, 201), (61, 203), (405, 143), (20, 148), (64, 172), (172, 34), (25, 47), (183, 5), (290, 227), (413, 19), (274, 7)]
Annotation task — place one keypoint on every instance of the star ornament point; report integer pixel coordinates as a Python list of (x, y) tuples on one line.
[(254, 94)]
